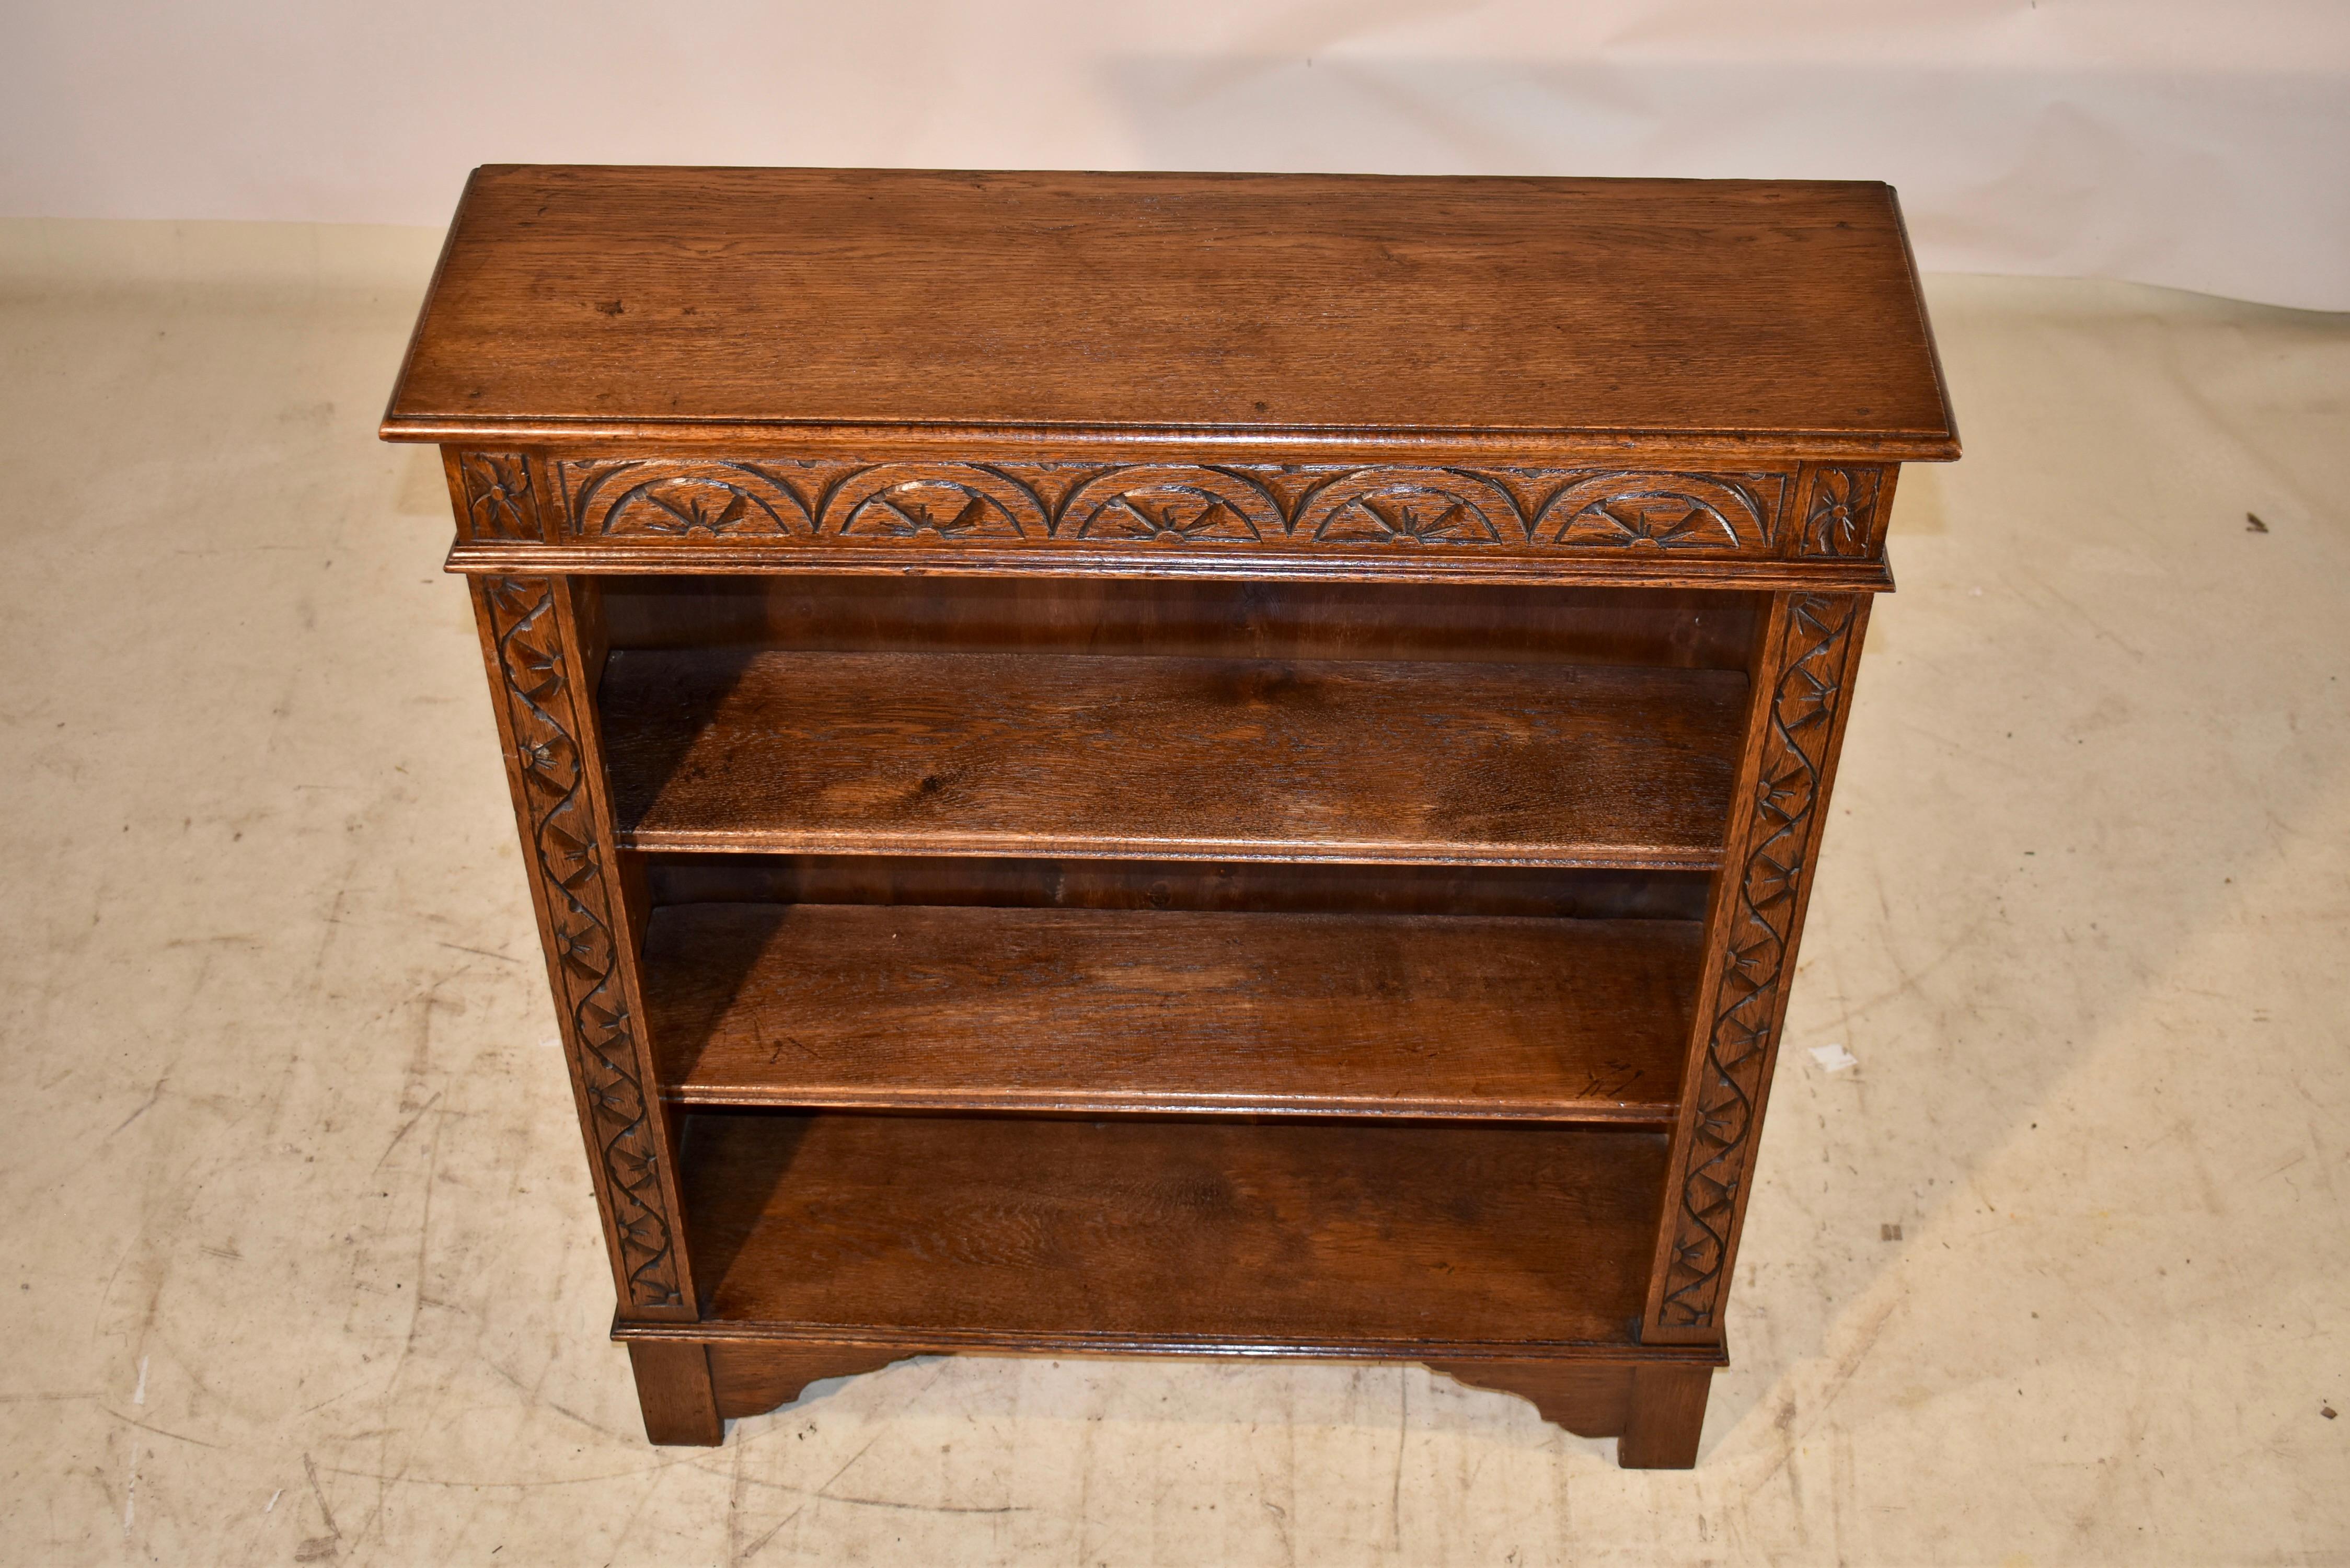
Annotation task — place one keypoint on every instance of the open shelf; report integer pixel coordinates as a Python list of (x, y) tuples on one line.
[(883, 1007), (1063, 755), (1170, 1235)]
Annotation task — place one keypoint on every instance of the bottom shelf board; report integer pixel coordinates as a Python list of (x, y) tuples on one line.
[(1281, 1237), (895, 1006)]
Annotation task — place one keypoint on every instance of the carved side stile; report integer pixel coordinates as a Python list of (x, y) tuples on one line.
[(536, 677), (1815, 645)]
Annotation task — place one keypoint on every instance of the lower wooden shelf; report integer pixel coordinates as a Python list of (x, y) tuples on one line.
[(1422, 1241), (895, 1007)]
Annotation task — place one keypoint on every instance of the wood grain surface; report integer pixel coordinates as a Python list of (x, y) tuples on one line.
[(1200, 619), (1101, 1010), (1142, 1234), (1179, 758), (611, 301), (675, 1393)]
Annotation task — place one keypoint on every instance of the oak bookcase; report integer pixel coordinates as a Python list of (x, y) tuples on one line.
[(1198, 765)]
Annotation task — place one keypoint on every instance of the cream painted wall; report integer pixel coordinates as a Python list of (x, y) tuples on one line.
[(2188, 143)]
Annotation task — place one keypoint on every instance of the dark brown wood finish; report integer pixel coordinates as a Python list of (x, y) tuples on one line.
[(1335, 681), (1044, 1233), (1178, 758), (848, 1242), (1664, 1417), (1201, 618), (674, 1388), (753, 1376), (883, 1006), (1282, 308)]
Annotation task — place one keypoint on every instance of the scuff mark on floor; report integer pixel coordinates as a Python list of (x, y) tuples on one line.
[(1783, 1420)]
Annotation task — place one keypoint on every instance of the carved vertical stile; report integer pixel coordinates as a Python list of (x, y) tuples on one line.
[(1802, 692), (532, 638), (1881, 526), (579, 606)]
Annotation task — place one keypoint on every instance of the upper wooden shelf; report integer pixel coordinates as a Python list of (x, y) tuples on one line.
[(1075, 755), (860, 310)]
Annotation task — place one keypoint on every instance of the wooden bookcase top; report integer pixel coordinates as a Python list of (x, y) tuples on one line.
[(861, 311)]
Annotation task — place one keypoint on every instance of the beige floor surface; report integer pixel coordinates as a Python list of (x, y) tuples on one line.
[(302, 1262)]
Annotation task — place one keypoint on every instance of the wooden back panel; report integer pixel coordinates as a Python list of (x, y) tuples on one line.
[(1685, 629)]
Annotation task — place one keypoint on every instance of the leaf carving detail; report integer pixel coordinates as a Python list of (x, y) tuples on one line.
[(535, 687), (1746, 1003)]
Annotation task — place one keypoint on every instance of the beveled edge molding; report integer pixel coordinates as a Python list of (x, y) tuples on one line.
[(1075, 1341), (1235, 851), (1175, 443), (1653, 1114), (1518, 569)]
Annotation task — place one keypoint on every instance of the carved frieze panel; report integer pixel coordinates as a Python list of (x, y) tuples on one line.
[(1398, 505), (693, 499), (1174, 503), (1671, 511), (932, 501), (1211, 506)]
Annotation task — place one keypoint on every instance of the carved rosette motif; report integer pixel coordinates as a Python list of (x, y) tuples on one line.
[(570, 862), (1803, 706), (1238, 506), (1843, 507), (499, 503)]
